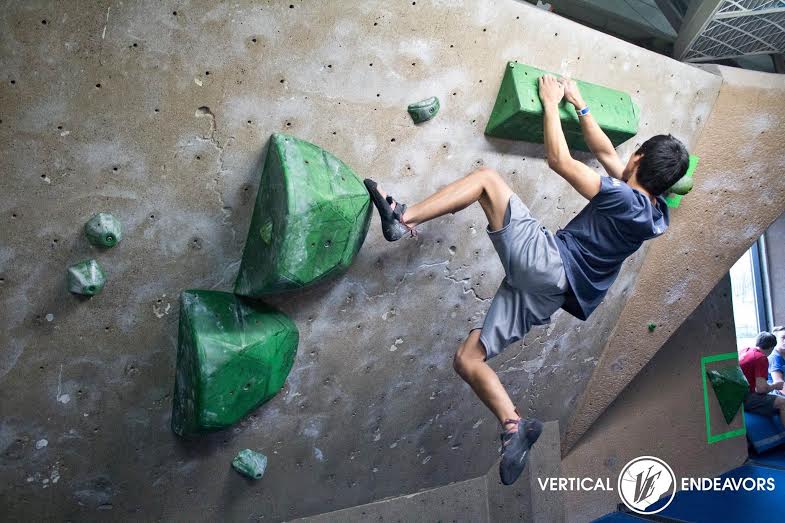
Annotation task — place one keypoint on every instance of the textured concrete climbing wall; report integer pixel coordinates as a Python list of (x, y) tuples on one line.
[(739, 191), (661, 413), (160, 113)]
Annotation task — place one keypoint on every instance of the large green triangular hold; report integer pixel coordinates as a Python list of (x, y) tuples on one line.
[(310, 219), (730, 386), (233, 354), (518, 112)]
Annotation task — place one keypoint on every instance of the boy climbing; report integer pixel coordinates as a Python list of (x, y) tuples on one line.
[(572, 269)]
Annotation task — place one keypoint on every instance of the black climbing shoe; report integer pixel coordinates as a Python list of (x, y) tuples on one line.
[(393, 227), (515, 448)]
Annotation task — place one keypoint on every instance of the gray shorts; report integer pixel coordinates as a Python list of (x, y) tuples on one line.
[(762, 404), (535, 282)]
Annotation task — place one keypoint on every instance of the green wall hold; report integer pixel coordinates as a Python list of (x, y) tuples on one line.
[(673, 198), (250, 463), (86, 278), (518, 113), (683, 186), (311, 217), (424, 110), (730, 385), (233, 355), (103, 230), (651, 326)]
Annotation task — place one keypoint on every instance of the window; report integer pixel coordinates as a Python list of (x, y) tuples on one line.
[(749, 310)]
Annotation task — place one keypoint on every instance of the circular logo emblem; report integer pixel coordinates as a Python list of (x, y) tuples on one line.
[(645, 480)]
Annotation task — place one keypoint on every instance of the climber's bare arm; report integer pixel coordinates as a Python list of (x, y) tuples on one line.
[(595, 138), (582, 178)]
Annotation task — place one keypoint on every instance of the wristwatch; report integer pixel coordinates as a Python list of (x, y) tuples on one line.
[(582, 112)]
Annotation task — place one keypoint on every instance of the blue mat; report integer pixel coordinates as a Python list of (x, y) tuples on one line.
[(730, 506), (773, 458), (764, 432), (618, 517)]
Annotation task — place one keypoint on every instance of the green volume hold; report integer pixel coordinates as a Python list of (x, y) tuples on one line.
[(103, 230), (730, 385), (310, 219), (86, 278), (424, 110), (233, 354), (250, 463), (518, 112)]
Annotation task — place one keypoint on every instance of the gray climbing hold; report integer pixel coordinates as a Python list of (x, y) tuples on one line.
[(250, 463), (103, 230), (424, 110), (86, 278)]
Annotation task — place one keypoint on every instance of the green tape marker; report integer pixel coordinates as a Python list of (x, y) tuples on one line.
[(714, 438)]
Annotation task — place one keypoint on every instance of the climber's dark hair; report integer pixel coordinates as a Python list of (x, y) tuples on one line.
[(765, 341), (665, 160)]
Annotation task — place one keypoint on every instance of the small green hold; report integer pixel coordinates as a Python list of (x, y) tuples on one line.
[(266, 231), (86, 278), (651, 326), (424, 110), (103, 230), (250, 463), (683, 186)]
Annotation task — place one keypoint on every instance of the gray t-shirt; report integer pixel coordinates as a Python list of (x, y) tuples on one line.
[(613, 225)]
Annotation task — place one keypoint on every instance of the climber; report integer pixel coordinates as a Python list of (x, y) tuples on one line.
[(572, 269)]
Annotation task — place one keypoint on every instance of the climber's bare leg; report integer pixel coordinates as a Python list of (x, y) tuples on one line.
[(469, 363), (483, 185)]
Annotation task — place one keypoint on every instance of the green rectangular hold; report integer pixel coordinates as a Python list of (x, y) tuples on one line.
[(518, 112), (674, 200)]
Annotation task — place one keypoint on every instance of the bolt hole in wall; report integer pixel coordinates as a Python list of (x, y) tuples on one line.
[(749, 296)]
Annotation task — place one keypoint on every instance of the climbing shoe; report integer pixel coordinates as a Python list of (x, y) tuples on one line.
[(393, 227), (515, 448)]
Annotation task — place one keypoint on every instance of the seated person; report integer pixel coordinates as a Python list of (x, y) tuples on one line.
[(754, 364), (777, 359)]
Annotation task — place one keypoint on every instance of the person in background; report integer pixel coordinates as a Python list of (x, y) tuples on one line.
[(754, 364), (777, 359)]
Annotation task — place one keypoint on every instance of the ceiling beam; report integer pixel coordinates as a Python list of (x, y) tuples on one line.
[(695, 21)]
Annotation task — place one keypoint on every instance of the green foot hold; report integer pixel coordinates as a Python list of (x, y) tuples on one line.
[(683, 186), (86, 278), (651, 326), (311, 217), (517, 113), (679, 189), (233, 355), (730, 386), (103, 230), (424, 110), (250, 463)]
